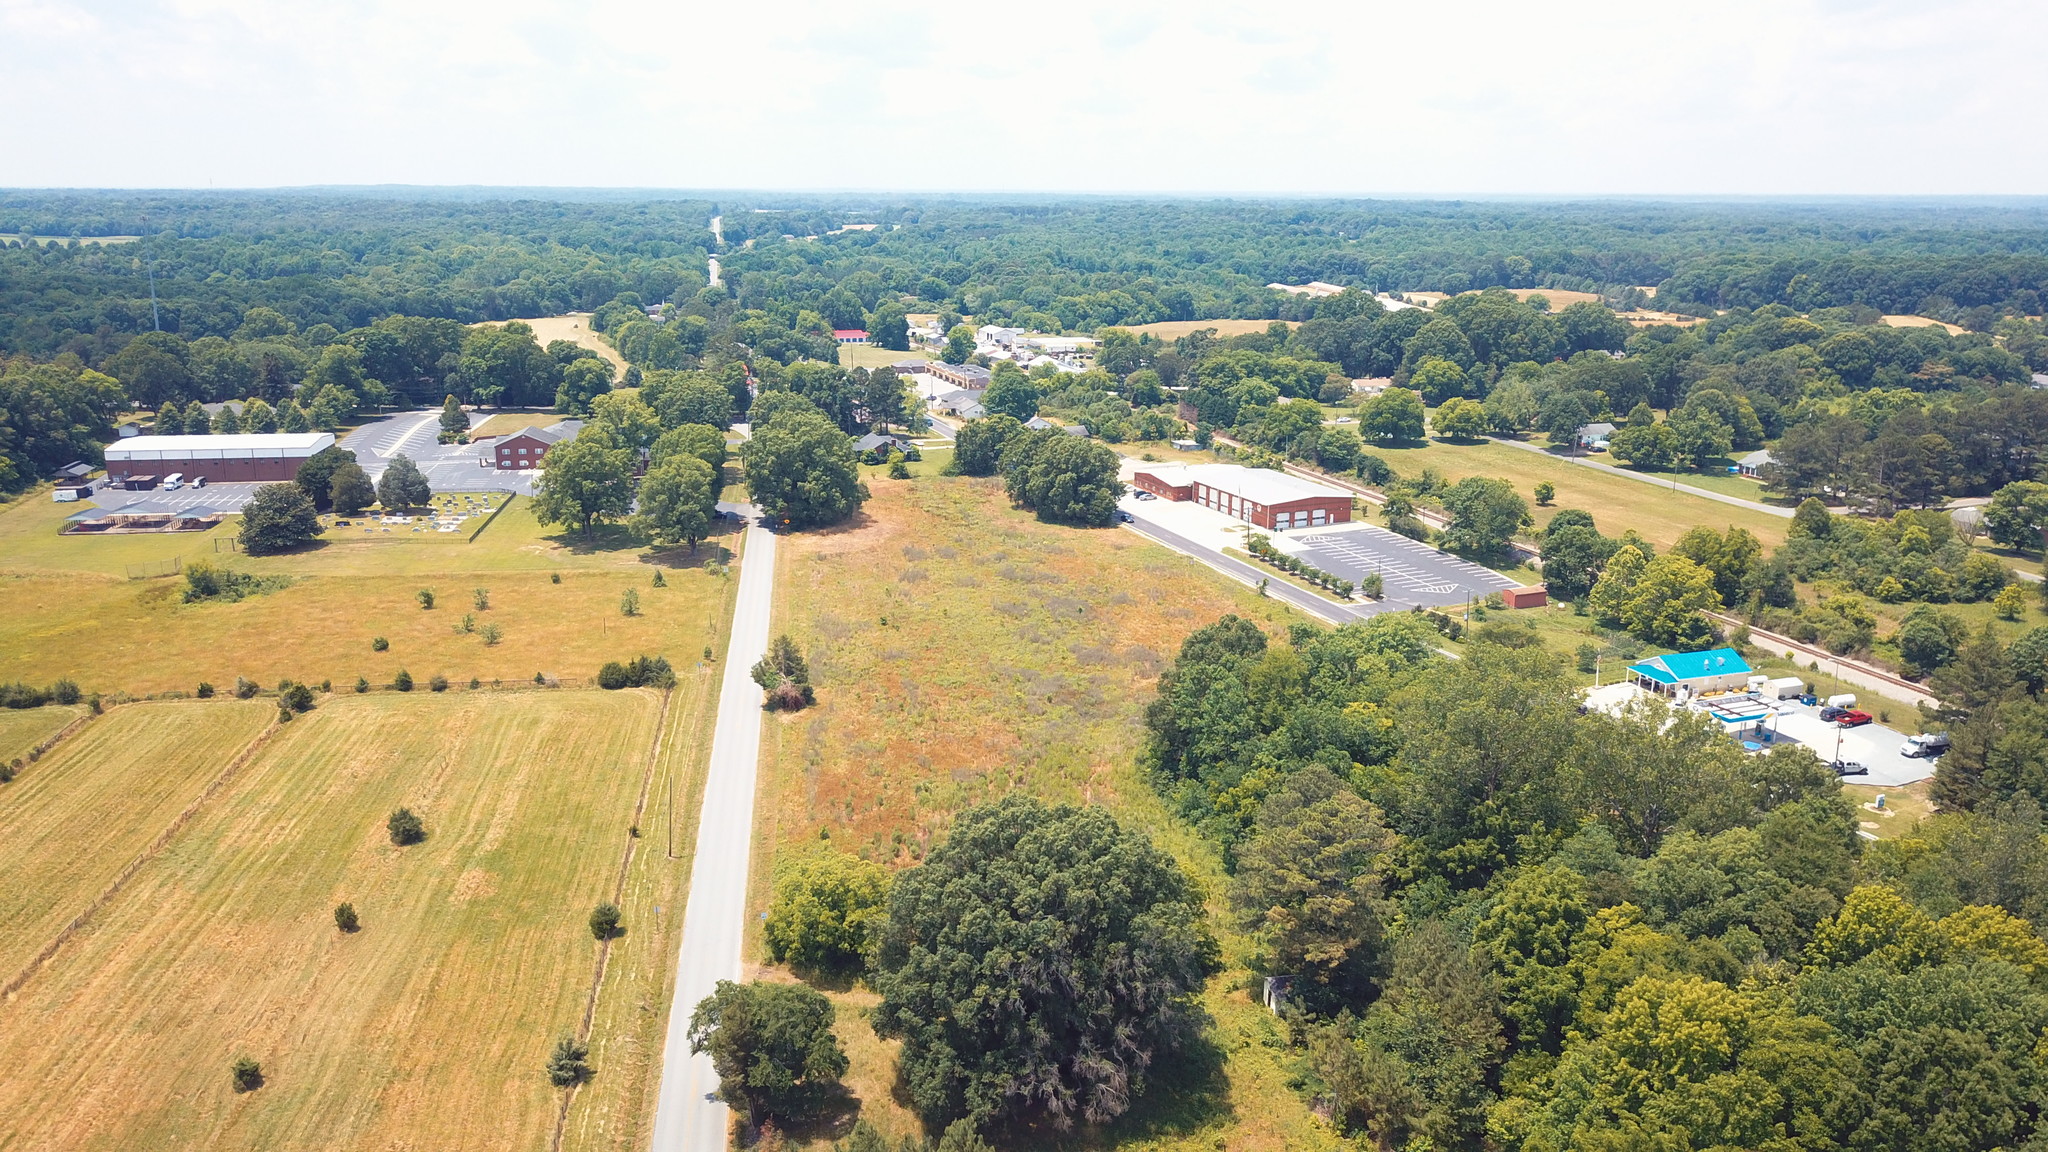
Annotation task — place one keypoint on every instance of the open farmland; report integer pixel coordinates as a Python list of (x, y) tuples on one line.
[(73, 614), (75, 819), (964, 650), (1175, 329), (21, 729), (429, 1027)]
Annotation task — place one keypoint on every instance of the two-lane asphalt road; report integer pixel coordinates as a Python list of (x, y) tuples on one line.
[(686, 1118)]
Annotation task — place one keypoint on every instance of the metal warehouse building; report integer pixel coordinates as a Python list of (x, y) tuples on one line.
[(1269, 499), (221, 459)]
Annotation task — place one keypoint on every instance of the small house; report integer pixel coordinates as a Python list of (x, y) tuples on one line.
[(1752, 465), (850, 335), (1596, 433)]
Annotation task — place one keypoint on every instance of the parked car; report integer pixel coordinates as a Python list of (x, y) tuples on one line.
[(1926, 745), (1830, 714), (1124, 516), (1853, 717), (1850, 768)]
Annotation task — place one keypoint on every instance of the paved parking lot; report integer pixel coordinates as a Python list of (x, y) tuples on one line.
[(1873, 744), (1414, 572), (447, 467), (220, 497)]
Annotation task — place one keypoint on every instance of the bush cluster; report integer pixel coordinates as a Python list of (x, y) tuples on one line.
[(1262, 547), (19, 695), (639, 672)]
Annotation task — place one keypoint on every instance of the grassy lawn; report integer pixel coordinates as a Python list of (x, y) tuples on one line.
[(21, 729), (1904, 807), (506, 423), (963, 650), (429, 1027), (873, 356), (73, 614), (1660, 515)]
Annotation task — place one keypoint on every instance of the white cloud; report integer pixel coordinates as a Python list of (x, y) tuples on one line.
[(1485, 97)]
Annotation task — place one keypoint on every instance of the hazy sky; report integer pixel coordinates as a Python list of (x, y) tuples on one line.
[(1563, 96)]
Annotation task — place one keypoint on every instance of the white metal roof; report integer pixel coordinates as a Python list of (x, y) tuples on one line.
[(235, 447), (1258, 485)]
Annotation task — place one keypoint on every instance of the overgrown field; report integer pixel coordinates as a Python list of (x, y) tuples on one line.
[(72, 613), (430, 1026), (963, 650)]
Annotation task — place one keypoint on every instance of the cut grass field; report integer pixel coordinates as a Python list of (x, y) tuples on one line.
[(870, 356), (506, 423), (429, 1027), (21, 729), (73, 614), (573, 327), (1175, 329), (962, 651), (1617, 503), (74, 819)]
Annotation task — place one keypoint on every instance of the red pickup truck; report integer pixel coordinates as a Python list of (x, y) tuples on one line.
[(1852, 718)]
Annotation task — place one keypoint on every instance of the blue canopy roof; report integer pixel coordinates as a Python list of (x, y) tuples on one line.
[(1679, 667)]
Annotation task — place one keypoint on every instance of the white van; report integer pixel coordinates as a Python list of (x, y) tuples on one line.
[(174, 481), (199, 481)]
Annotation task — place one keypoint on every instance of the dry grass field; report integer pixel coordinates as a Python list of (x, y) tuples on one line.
[(1617, 503), (428, 1028), (73, 613), (74, 819), (1560, 298), (575, 328), (1175, 329), (506, 423), (872, 356), (21, 729), (1924, 322), (964, 650)]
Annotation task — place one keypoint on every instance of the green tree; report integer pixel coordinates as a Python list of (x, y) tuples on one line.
[(351, 491), (784, 674), (227, 423), (1309, 881), (700, 440), (1617, 582), (569, 1064), (502, 366), (403, 485), (1438, 380), (772, 1046), (888, 328), (1665, 604), (801, 471), (679, 501), (1064, 479), (586, 481), (316, 474), (1528, 935), (1878, 925), (1485, 514), (291, 417), (1038, 964), (604, 920), (1701, 435), (1652, 447), (824, 909), (978, 446), (624, 419), (1460, 419), (454, 421), (1734, 557), (690, 398), (1392, 416), (1560, 417), (404, 824), (1545, 493), (1011, 393), (258, 416), (2017, 514), (1572, 560), (959, 345), (278, 518), (583, 380)]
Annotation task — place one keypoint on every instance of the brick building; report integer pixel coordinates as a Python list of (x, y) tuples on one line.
[(254, 456), (526, 447), (1272, 500)]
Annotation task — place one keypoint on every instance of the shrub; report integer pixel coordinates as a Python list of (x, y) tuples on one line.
[(898, 471), (10, 770), (785, 675), (466, 625), (570, 1064), (246, 688), (426, 598), (362, 684), (205, 690), (296, 698), (612, 676), (475, 683), (481, 597), (604, 920), (660, 581), (402, 681), (640, 672), (629, 604), (22, 696), (247, 1073), (345, 917), (491, 634), (438, 684), (405, 827), (554, 577), (64, 692), (379, 644)]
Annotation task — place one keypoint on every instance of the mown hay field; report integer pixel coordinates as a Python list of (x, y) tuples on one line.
[(573, 327), (70, 616), (1175, 329), (21, 729), (429, 1027), (964, 650)]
